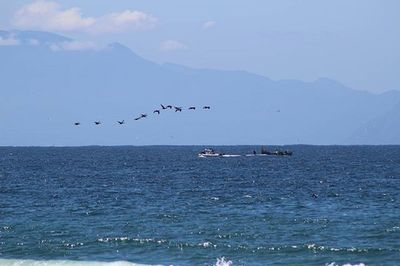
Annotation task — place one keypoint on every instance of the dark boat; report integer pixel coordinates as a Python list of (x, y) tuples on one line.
[(264, 151)]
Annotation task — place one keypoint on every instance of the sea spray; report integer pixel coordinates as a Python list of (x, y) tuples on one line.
[(346, 264), (223, 262)]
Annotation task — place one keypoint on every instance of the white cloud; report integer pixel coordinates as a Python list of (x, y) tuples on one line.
[(209, 24), (127, 20), (172, 45), (73, 46), (47, 15), (9, 41)]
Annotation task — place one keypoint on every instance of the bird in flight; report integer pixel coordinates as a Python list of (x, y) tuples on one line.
[(169, 106), (178, 109), (207, 107), (192, 108), (156, 111), (121, 122), (141, 116), (77, 123), (97, 123), (163, 107)]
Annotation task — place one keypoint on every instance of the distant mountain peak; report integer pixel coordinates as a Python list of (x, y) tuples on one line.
[(122, 49)]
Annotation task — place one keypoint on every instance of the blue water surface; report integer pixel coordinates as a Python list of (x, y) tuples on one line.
[(164, 205)]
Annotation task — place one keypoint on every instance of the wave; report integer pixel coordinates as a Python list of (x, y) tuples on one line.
[(223, 262), (17, 262), (243, 248), (347, 264)]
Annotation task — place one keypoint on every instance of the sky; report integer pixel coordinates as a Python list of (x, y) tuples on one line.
[(355, 42)]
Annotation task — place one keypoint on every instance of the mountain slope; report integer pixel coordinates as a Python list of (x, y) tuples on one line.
[(383, 129)]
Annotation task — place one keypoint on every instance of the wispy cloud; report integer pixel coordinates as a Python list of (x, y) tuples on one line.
[(48, 15), (172, 45), (209, 24), (9, 41), (73, 46)]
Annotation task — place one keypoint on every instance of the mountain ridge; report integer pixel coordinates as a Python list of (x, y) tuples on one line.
[(48, 90)]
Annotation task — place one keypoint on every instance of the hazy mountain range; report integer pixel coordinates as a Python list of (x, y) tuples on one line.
[(48, 82)]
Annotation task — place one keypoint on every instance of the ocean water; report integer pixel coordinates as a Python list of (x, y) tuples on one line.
[(162, 205)]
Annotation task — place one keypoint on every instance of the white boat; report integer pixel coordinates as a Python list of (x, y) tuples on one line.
[(209, 153)]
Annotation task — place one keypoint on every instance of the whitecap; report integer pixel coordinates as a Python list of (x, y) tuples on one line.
[(223, 262), (393, 229), (115, 239), (206, 244), (311, 246), (17, 262), (346, 264)]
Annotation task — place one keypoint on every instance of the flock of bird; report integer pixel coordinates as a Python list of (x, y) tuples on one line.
[(156, 111)]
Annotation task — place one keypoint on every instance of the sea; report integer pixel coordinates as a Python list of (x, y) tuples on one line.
[(163, 205)]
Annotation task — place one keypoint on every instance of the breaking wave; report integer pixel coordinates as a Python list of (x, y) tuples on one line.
[(16, 262), (347, 264), (223, 262)]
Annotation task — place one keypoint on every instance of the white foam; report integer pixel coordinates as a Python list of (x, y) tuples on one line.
[(223, 262), (347, 264), (16, 262), (207, 244)]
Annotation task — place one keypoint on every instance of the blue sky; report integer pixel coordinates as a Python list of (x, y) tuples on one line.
[(355, 42)]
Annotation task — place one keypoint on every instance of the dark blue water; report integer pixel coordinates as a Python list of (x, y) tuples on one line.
[(164, 205)]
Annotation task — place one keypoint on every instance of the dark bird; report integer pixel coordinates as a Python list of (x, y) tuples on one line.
[(207, 107), (97, 123), (192, 108), (156, 111), (141, 116), (77, 123), (169, 106), (163, 107), (121, 122), (314, 195), (178, 109)]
